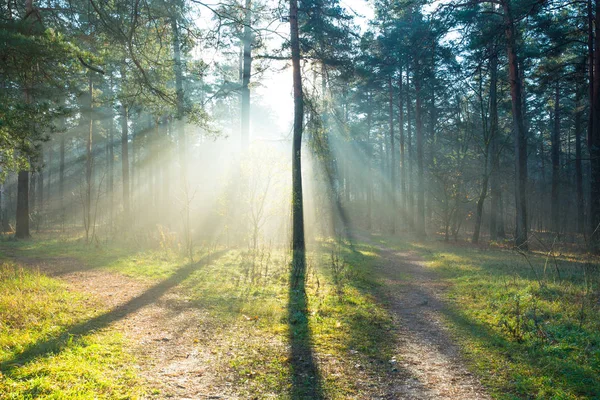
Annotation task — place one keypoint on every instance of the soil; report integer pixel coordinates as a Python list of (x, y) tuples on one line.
[(172, 342), (429, 360)]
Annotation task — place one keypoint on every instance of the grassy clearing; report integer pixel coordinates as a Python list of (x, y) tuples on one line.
[(246, 294), (346, 329), (528, 332), (126, 257), (33, 308)]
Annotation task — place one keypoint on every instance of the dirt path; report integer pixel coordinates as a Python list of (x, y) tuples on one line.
[(171, 340), (429, 362), (182, 353)]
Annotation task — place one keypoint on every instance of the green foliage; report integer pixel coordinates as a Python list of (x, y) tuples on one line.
[(34, 67)]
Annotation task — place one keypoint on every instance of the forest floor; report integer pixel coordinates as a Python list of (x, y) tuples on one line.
[(434, 365), (386, 318)]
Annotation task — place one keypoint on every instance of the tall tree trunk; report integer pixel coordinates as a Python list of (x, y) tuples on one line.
[(4, 210), (555, 142), (420, 173), (594, 144), (298, 243), (246, 71), (543, 208), (481, 199), (501, 220), (370, 168), (125, 160), (22, 211), (494, 151), (111, 170), (88, 163), (40, 183), (486, 158), (393, 155), (32, 191), (22, 230), (49, 182), (178, 68), (432, 127), (578, 162), (410, 197), (154, 166), (111, 158), (402, 154), (520, 134), (61, 180)]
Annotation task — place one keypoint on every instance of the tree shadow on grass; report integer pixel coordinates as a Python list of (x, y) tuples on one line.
[(306, 378), (517, 362), (533, 362), (59, 342)]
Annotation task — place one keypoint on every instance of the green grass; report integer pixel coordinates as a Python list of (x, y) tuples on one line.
[(245, 295), (527, 332), (123, 256), (34, 307), (344, 323)]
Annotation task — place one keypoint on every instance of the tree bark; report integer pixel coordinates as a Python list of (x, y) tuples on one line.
[(22, 211), (519, 132), (32, 191), (402, 154), (555, 153), (410, 197), (420, 173), (393, 155), (370, 170), (49, 182), (40, 184), (4, 213), (494, 151), (487, 131), (88, 163), (61, 180), (125, 159), (22, 230), (594, 144), (578, 162), (111, 159), (298, 241), (177, 66)]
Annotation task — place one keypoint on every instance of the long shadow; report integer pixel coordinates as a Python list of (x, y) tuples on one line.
[(372, 335), (431, 333), (61, 341), (563, 372), (306, 378)]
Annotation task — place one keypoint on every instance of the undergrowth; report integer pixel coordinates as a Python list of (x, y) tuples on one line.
[(529, 324)]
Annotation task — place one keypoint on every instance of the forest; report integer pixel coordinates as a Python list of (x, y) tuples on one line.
[(300, 199)]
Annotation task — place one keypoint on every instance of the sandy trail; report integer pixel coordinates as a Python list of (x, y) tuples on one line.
[(173, 342), (429, 361)]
